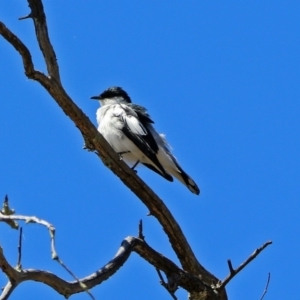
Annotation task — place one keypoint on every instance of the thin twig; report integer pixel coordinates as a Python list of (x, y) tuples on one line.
[(51, 229), (164, 284), (19, 266), (140, 235), (233, 271), (230, 266), (84, 287), (266, 288)]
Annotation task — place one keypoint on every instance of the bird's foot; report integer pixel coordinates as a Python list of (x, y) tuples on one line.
[(133, 167)]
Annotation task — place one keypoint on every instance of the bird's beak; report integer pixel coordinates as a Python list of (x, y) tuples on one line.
[(95, 98)]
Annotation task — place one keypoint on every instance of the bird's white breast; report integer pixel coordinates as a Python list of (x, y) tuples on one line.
[(111, 120)]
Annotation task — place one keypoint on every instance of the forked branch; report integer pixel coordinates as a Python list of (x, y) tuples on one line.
[(233, 272), (67, 288)]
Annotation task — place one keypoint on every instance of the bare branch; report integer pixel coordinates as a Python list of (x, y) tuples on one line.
[(233, 271), (20, 47), (155, 205), (176, 276), (39, 19), (63, 287), (19, 266), (164, 284), (10, 272), (7, 290), (140, 235), (266, 288), (67, 289), (230, 266), (185, 280), (75, 277)]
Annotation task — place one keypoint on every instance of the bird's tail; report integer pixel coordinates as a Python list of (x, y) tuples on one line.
[(183, 177), (172, 167), (186, 180)]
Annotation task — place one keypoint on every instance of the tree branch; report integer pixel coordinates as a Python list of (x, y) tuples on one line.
[(12, 275), (67, 288), (233, 271), (21, 48), (7, 290), (266, 288), (129, 244), (106, 153), (27, 219), (40, 24), (19, 265)]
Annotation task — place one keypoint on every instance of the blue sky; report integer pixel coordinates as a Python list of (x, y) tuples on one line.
[(221, 79)]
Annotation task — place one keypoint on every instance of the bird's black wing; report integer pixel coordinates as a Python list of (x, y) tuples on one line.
[(137, 120), (136, 129)]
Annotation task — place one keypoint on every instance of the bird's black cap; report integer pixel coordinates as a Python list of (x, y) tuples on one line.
[(114, 91)]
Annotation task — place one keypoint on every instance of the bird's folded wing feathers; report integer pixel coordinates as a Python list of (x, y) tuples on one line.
[(137, 131)]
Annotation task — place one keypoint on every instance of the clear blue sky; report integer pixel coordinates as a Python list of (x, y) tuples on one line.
[(220, 78)]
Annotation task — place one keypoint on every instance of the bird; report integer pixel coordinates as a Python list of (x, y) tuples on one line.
[(128, 128)]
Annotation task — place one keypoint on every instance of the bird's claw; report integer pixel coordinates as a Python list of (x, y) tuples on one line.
[(133, 167)]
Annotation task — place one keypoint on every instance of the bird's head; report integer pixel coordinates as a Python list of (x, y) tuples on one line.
[(113, 94)]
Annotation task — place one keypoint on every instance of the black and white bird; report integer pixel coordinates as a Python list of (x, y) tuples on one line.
[(127, 127)]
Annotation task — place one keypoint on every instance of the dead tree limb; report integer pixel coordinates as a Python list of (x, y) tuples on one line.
[(233, 272), (266, 288), (67, 288)]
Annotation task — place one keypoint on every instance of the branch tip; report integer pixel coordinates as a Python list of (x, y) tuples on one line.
[(266, 288), (230, 266), (233, 271), (140, 235), (29, 16)]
